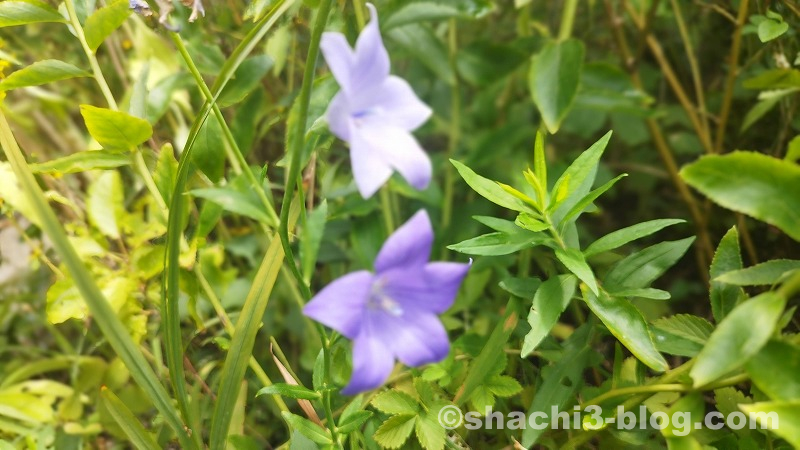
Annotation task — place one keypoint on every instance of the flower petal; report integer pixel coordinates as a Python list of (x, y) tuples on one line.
[(414, 338), (399, 105), (370, 168), (340, 58), (338, 116), (340, 305), (372, 364), (398, 148), (409, 246), (432, 289), (371, 59)]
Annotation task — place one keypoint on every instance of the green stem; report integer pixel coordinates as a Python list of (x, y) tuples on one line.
[(297, 141), (386, 209), (567, 19), (455, 129)]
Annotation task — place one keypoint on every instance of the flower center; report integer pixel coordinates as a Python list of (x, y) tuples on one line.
[(378, 299), (359, 116)]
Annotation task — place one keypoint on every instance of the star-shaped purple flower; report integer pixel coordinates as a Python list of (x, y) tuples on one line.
[(375, 112), (392, 313)]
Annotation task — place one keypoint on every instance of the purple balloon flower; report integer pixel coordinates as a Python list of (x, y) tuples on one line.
[(392, 313), (375, 112)]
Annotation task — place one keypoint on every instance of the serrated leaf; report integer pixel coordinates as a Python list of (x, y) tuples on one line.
[(14, 13), (289, 390), (307, 428), (727, 257), (115, 129), (104, 21), (575, 263), (354, 421), (503, 386), (490, 190), (738, 337), (640, 269), (621, 237), (774, 370), (627, 324), (83, 161), (687, 326), (766, 273), (394, 431), (41, 72), (550, 300), (554, 78), (429, 431), (752, 183), (395, 402)]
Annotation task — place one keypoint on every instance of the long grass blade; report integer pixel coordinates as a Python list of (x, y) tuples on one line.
[(133, 429)]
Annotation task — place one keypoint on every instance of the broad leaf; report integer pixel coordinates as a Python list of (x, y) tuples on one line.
[(766, 273), (687, 326), (14, 13), (395, 402), (738, 337), (774, 370), (105, 203), (752, 183), (394, 431), (728, 257), (783, 418), (115, 129), (554, 78), (42, 72), (627, 324), (640, 269), (104, 21), (307, 428), (550, 300), (209, 150)]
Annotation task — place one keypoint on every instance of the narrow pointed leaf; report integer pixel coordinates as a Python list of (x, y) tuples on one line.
[(41, 72), (574, 261), (642, 268), (14, 13), (728, 257), (550, 300), (115, 129), (626, 235), (766, 273), (126, 420), (490, 190), (577, 180)]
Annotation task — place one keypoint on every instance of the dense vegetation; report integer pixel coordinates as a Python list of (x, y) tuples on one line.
[(202, 245)]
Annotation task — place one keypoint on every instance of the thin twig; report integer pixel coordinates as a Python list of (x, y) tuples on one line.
[(733, 70)]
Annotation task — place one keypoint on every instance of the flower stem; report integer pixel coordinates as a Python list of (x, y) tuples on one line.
[(387, 209), (567, 19), (455, 129)]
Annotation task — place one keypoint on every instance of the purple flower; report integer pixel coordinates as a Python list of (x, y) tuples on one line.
[(375, 112), (392, 313)]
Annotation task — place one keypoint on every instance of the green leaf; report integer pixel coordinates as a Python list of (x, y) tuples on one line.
[(530, 223), (738, 337), (540, 163), (640, 269), (774, 79), (104, 21), (421, 42), (498, 243), (550, 300), (394, 431), (41, 72), (751, 183), (246, 79), (560, 381), (627, 324), (166, 172), (554, 78), (234, 201), (577, 180), (14, 13), (209, 152), (574, 261), (766, 273), (503, 386), (289, 390), (395, 402), (687, 326), (674, 345), (621, 237), (105, 203), (83, 161), (760, 109), (421, 11), (521, 287), (491, 190), (491, 355), (774, 370), (649, 293), (313, 230), (307, 428), (135, 432), (727, 257), (115, 129), (506, 226), (353, 421), (429, 431), (771, 29), (588, 199), (783, 418)]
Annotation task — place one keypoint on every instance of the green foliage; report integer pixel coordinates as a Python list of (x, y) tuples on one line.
[(41, 72)]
